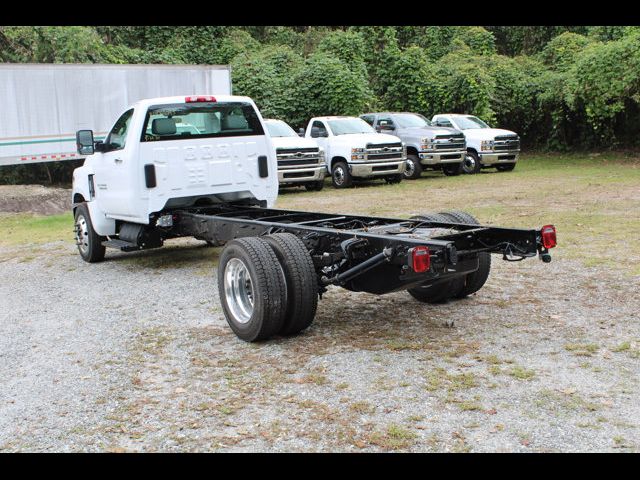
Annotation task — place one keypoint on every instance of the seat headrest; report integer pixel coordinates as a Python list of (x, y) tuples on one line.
[(234, 122), (163, 126)]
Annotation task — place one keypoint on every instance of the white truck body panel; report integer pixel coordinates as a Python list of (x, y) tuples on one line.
[(223, 168), (43, 105)]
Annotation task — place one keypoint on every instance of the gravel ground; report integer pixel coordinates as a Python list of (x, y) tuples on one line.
[(134, 354)]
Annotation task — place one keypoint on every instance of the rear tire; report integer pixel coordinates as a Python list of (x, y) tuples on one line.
[(471, 163), (414, 168), (252, 289), (474, 281), (506, 167), (341, 176), (301, 281), (89, 242), (452, 169), (438, 293)]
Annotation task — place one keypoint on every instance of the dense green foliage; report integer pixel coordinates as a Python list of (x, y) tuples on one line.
[(560, 87)]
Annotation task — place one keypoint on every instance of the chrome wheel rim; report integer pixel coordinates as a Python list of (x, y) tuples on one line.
[(338, 176), (469, 163), (238, 290), (82, 234), (410, 168)]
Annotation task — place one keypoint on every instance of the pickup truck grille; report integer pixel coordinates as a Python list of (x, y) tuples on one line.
[(384, 151), (449, 142), (297, 157), (504, 143)]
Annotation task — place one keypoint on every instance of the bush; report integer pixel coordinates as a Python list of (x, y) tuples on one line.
[(560, 52)]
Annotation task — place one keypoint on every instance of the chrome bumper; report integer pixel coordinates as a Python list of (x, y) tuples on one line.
[(493, 158), (435, 158), (374, 169), (302, 175)]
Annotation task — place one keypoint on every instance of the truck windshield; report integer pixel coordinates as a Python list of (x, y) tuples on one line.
[(470, 122), (410, 120), (200, 120), (347, 126), (277, 128)]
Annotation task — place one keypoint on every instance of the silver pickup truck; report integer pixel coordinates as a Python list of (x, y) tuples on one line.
[(428, 146)]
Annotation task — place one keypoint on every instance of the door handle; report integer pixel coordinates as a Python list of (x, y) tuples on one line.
[(118, 160)]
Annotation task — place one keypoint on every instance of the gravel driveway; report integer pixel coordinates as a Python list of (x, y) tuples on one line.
[(134, 354)]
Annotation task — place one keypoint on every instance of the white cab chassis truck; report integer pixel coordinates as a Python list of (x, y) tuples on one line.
[(486, 147), (353, 150), (300, 160), (203, 166)]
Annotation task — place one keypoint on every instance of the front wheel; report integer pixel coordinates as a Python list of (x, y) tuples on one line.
[(88, 241), (506, 167), (471, 163), (341, 176), (413, 169), (452, 169)]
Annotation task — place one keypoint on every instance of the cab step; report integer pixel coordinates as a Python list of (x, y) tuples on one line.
[(122, 245)]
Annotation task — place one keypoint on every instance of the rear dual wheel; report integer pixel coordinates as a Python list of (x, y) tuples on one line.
[(458, 287), (267, 286)]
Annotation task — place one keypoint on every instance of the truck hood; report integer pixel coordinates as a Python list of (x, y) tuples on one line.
[(293, 142), (423, 132), (360, 140), (485, 133)]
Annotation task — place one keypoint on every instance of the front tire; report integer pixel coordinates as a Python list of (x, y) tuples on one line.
[(88, 241), (413, 169), (252, 289), (506, 167), (341, 176), (471, 163), (452, 169)]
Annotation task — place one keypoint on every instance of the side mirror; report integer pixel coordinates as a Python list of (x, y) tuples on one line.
[(386, 126), (84, 142), (301, 132)]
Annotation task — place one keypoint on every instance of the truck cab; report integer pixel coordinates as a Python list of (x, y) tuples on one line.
[(428, 146), (300, 160), (170, 152), (486, 147), (353, 150)]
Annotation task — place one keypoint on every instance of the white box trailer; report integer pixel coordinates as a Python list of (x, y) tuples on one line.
[(43, 105)]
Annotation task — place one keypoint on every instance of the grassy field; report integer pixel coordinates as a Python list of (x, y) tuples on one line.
[(593, 199)]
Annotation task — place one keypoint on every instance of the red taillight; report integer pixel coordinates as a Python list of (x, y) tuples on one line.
[(420, 259), (549, 236), (200, 98)]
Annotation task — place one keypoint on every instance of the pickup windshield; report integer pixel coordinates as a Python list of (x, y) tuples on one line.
[(347, 126), (410, 120), (470, 122), (200, 120), (277, 128)]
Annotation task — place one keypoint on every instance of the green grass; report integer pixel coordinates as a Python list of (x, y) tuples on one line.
[(22, 229)]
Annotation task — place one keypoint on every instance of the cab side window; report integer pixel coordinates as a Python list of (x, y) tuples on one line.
[(386, 122), (318, 129), (118, 135), (443, 122), (368, 118)]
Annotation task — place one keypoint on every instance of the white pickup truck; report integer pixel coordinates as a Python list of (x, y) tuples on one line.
[(300, 160), (203, 166), (353, 150), (486, 147)]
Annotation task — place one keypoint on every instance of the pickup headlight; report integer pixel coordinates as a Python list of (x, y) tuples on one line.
[(358, 153), (486, 145), (426, 144), (321, 156)]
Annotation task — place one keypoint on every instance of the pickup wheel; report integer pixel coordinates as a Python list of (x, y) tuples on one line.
[(341, 176), (507, 167), (301, 281), (394, 179), (252, 289), (471, 163), (474, 281), (314, 187), (452, 169), (413, 169), (88, 241)]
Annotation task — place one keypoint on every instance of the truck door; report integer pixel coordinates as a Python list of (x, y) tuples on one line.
[(113, 170)]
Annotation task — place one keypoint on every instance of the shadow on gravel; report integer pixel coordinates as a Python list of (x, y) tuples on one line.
[(170, 256)]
